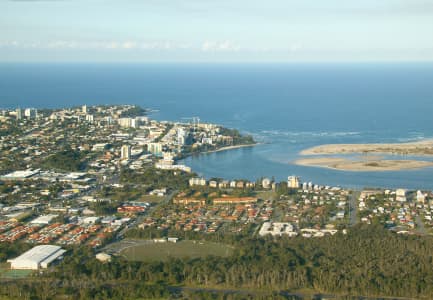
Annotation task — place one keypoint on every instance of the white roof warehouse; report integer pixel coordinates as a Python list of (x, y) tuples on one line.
[(37, 257)]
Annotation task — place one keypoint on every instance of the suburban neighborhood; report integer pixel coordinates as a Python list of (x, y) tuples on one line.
[(104, 177)]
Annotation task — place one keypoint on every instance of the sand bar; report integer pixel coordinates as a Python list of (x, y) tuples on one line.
[(363, 165), (415, 148)]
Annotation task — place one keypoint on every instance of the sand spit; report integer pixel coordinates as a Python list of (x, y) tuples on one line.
[(415, 148), (363, 165)]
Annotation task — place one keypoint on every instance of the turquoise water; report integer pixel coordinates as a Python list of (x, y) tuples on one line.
[(287, 108)]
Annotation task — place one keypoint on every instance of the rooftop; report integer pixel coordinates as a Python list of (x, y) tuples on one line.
[(39, 255)]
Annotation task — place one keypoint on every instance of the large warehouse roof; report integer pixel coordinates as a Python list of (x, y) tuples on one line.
[(37, 257), (44, 219)]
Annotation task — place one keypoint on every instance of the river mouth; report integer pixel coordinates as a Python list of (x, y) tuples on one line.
[(278, 157)]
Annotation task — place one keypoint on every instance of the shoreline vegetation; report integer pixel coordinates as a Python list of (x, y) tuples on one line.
[(239, 141), (225, 148), (367, 162)]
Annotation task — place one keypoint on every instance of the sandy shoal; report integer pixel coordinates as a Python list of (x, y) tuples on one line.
[(363, 165), (415, 148)]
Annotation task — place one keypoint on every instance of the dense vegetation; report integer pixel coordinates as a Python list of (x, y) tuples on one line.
[(368, 261), (156, 178), (238, 139), (8, 250), (66, 160), (133, 112)]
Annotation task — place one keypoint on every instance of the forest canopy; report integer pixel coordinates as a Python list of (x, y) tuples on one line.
[(368, 261)]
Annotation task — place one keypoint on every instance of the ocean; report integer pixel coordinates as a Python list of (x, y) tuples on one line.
[(286, 107)]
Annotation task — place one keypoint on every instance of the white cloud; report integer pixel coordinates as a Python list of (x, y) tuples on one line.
[(94, 45), (208, 46), (59, 45), (220, 46), (129, 45), (111, 45), (4, 44)]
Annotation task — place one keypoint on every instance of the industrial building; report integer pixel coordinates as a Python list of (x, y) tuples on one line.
[(39, 257), (20, 175), (44, 220)]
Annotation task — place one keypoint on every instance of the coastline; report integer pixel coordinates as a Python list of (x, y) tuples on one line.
[(227, 148), (230, 148)]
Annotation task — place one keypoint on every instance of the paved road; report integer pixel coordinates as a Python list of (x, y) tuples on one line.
[(353, 207), (420, 225)]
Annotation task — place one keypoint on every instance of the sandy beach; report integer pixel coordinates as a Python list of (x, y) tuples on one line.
[(230, 148), (363, 165), (415, 148)]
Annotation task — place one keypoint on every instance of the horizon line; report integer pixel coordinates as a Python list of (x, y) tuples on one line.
[(222, 62)]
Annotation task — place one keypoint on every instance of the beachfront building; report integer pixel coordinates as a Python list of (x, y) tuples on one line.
[(400, 195), (127, 122), (223, 184), (213, 184), (266, 183), (420, 197), (197, 181), (293, 182), (31, 113), (19, 113)]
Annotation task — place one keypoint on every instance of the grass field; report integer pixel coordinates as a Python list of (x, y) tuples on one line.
[(14, 274), (182, 249), (7, 273), (265, 195), (151, 198), (136, 195)]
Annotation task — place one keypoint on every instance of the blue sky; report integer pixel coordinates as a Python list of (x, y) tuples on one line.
[(216, 30)]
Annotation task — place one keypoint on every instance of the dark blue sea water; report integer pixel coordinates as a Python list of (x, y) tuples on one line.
[(287, 107)]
